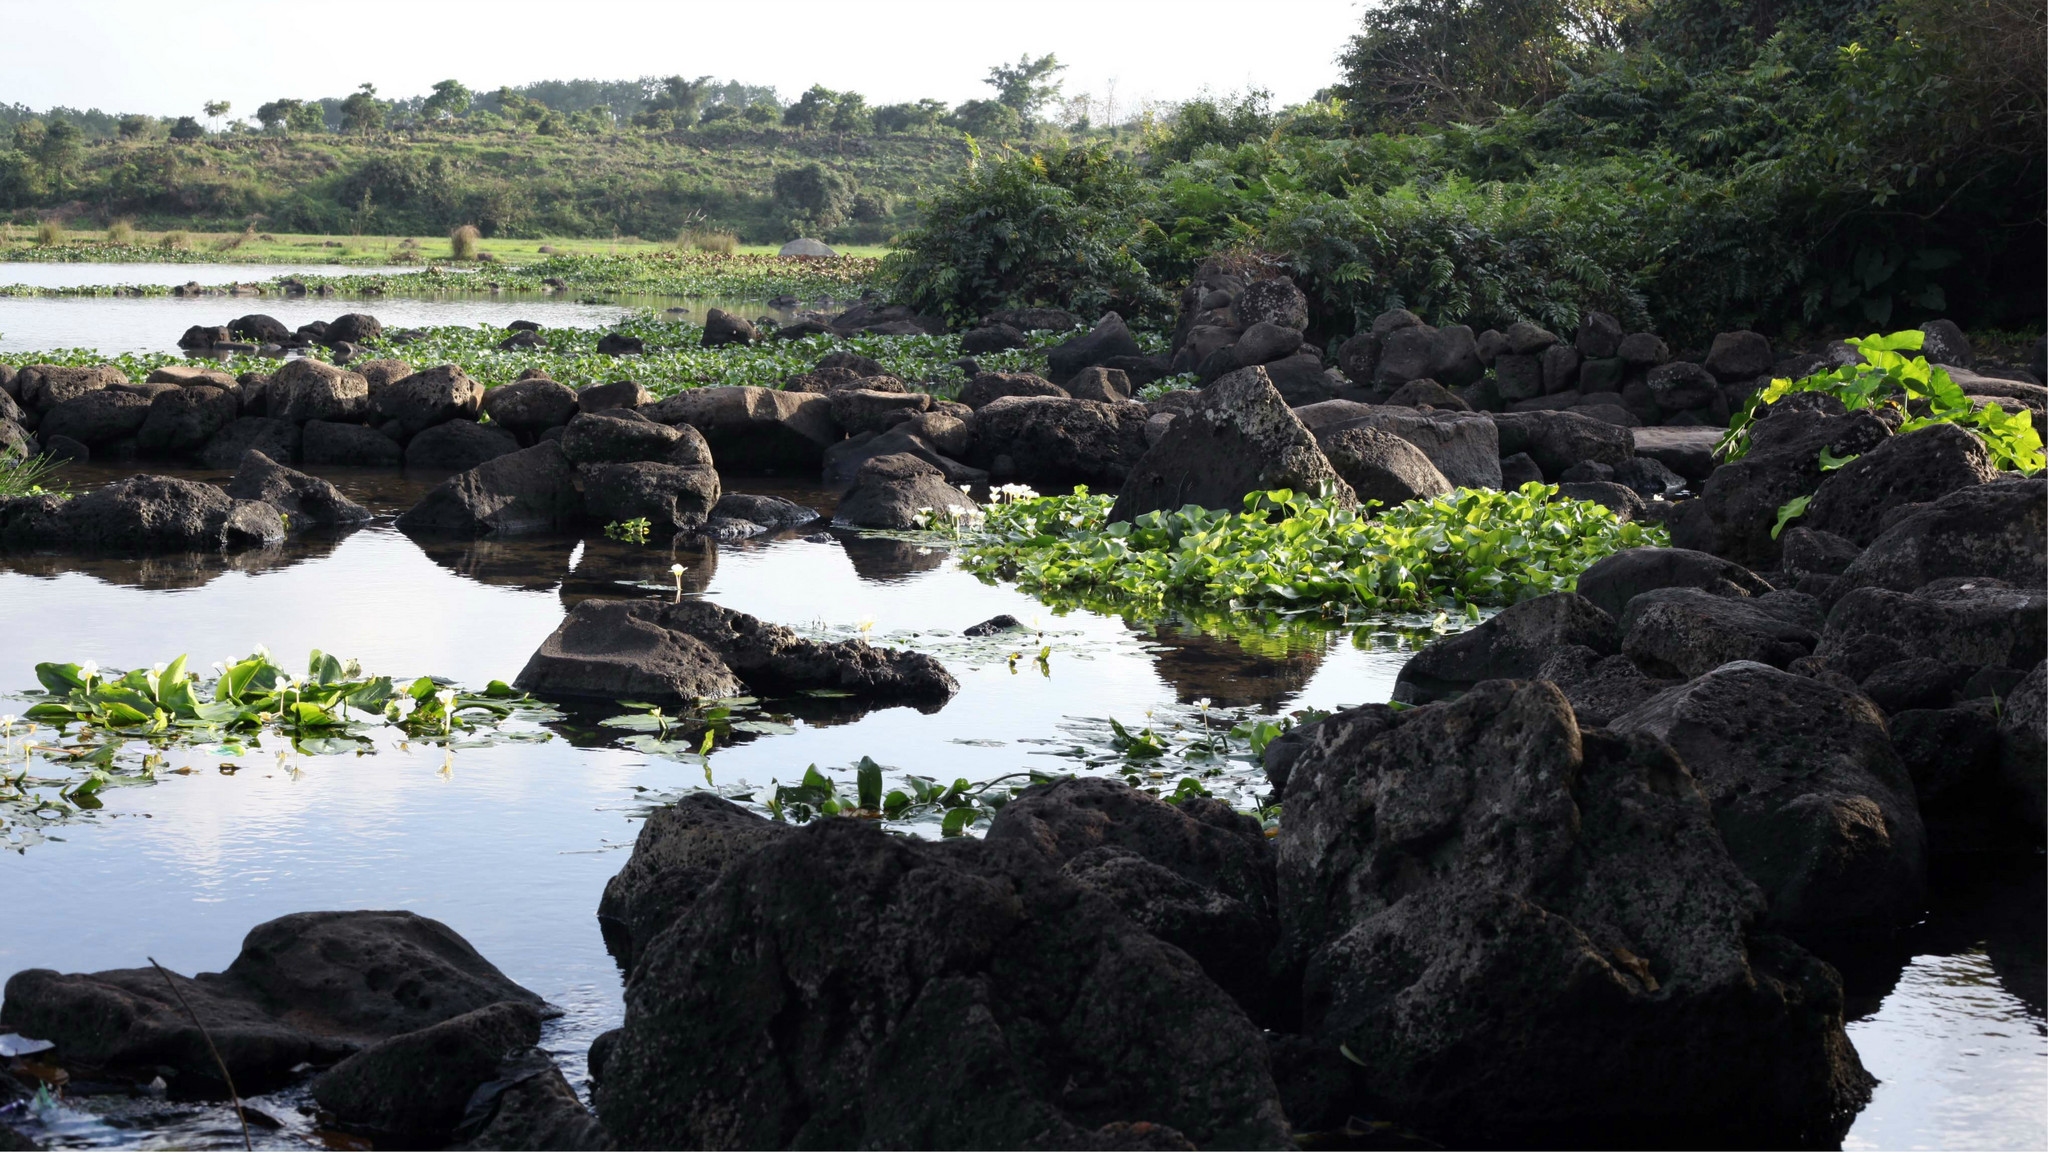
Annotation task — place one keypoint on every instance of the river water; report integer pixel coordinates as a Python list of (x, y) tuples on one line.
[(510, 843)]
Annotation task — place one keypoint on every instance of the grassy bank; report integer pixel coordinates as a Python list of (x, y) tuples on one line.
[(94, 246)]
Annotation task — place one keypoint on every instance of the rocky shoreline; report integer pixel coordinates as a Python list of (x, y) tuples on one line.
[(1585, 879)]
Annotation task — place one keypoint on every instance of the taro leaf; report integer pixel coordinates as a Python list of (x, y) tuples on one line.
[(1789, 511), (47, 711), (499, 690), (956, 822), (423, 689), (322, 668), (763, 727), (122, 716), (868, 778), (372, 695)]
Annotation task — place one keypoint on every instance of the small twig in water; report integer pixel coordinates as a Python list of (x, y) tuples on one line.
[(208, 1037)]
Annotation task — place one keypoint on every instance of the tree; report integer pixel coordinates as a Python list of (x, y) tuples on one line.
[(187, 129), (682, 99), (989, 119), (816, 197), (60, 148), (1460, 61), (923, 115), (362, 111), (215, 109), (134, 126), (28, 136), (450, 99), (306, 119), (1022, 88), (812, 109), (276, 115), (761, 112), (850, 113)]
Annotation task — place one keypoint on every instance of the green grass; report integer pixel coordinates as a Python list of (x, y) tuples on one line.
[(91, 246)]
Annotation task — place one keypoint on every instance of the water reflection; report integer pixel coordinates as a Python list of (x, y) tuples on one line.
[(182, 570), (886, 561), (1231, 672)]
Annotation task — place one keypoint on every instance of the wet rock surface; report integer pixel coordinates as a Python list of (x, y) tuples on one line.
[(1238, 437), (844, 987), (1486, 885)]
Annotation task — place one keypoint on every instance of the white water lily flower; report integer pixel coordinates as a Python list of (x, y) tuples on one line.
[(157, 669), (675, 569), (89, 669), (261, 652)]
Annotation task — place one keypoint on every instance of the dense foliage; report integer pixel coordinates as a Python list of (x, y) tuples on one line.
[(1693, 165), (1291, 552)]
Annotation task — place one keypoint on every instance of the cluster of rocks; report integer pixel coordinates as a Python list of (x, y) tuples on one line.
[(144, 515), (260, 333), (407, 1035)]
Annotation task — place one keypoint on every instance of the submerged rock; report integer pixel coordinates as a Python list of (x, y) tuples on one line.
[(311, 987), (843, 987), (1523, 932), (412, 1089), (305, 500), (144, 514), (902, 492), (531, 490), (648, 650)]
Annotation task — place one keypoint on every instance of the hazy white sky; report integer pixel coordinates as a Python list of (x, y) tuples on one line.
[(169, 58)]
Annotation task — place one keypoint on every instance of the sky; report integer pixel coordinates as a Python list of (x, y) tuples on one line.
[(168, 59)]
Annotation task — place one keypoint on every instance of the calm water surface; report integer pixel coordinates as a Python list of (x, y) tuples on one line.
[(511, 844)]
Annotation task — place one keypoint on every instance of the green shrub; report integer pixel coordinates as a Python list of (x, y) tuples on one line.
[(1922, 393), (1049, 227), (121, 232), (1290, 553), (462, 242)]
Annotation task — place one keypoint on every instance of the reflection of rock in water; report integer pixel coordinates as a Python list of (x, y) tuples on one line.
[(176, 570), (1994, 902), (610, 569), (882, 560), (532, 563), (1226, 671)]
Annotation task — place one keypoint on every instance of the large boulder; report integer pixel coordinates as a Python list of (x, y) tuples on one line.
[(413, 1089), (424, 399), (1238, 438), (902, 492), (1053, 443), (847, 988), (1380, 466), (96, 418), (1687, 632), (1738, 505), (623, 436), (722, 328), (1919, 467), (681, 849), (457, 446), (531, 490), (1275, 301), (866, 410), (1195, 874), (304, 500), (613, 394), (844, 460), (1512, 644), (989, 387), (1973, 622), (148, 514), (1558, 440), (620, 650), (42, 387), (991, 338), (354, 328), (257, 328), (1998, 530), (1808, 793), (652, 651), (1599, 687), (308, 389), (1614, 580), (751, 428), (531, 406), (671, 498), (182, 420), (1518, 931), (1108, 339), (1464, 447), (2023, 746), (1740, 356), (311, 987)]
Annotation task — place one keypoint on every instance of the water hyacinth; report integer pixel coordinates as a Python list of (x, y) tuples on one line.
[(1293, 553)]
